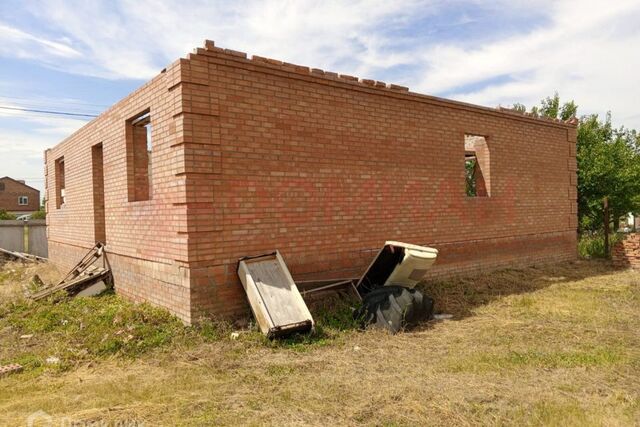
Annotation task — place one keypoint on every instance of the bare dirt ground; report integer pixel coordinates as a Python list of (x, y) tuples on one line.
[(553, 345)]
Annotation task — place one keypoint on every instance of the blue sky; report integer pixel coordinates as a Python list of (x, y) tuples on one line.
[(82, 56)]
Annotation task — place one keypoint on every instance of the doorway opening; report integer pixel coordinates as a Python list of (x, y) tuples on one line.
[(98, 194)]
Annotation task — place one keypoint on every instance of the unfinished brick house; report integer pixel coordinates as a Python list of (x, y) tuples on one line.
[(222, 156)]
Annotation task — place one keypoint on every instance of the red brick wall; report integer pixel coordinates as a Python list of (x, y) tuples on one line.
[(146, 240), (326, 169), (626, 252), (12, 191), (255, 155)]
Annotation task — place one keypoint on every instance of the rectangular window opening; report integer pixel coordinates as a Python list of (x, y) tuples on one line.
[(59, 183), (23, 200), (97, 174), (477, 166), (139, 153)]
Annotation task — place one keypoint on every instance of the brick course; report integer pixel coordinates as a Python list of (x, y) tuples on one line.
[(250, 155)]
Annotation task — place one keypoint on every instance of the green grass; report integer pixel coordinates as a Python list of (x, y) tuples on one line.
[(83, 329), (547, 345), (333, 317), (539, 359), (591, 245)]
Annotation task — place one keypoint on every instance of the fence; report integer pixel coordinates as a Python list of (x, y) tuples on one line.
[(25, 236)]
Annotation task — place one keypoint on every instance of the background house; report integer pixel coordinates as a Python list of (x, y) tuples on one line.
[(18, 198)]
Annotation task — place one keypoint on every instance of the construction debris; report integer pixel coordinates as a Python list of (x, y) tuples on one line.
[(312, 286), (52, 360), (442, 316), (10, 369), (93, 290), (385, 289), (395, 308), (84, 279), (399, 264), (22, 256), (273, 295)]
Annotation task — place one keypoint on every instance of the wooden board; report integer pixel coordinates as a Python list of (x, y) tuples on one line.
[(273, 295), (75, 285)]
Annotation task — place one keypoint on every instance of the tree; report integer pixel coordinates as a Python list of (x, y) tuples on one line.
[(608, 163)]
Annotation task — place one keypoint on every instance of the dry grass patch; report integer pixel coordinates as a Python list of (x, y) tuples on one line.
[(15, 278), (553, 345)]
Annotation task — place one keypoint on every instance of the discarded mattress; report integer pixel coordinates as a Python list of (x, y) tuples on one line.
[(273, 295), (397, 263), (394, 308)]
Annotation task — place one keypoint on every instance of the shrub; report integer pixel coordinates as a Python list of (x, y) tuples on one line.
[(41, 214), (591, 245), (4, 215)]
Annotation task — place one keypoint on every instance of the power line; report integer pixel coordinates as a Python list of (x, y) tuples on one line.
[(60, 113), (51, 106), (47, 100)]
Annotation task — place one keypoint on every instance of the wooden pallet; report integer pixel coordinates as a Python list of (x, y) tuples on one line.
[(81, 276), (76, 284)]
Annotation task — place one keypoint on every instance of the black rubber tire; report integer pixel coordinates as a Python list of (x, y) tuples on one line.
[(395, 308)]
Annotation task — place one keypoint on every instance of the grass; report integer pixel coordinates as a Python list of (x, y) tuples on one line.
[(591, 245), (83, 329), (554, 345)]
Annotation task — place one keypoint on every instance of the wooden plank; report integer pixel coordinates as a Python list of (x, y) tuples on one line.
[(16, 255), (255, 301), (275, 289), (77, 283)]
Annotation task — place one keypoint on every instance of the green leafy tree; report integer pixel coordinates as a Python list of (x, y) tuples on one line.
[(521, 108), (609, 166), (550, 106)]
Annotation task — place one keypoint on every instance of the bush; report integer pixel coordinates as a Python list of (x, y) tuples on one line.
[(591, 245), (41, 214), (4, 215)]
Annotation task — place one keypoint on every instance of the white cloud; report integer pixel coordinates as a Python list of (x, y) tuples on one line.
[(587, 52), (22, 155), (24, 140), (584, 49), (135, 39), (20, 43)]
